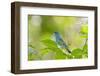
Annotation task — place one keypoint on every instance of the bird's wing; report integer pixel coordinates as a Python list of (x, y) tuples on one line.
[(63, 45)]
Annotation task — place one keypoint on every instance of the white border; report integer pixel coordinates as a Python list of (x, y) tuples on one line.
[(24, 64)]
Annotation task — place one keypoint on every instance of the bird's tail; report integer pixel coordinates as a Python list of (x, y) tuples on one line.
[(68, 50)]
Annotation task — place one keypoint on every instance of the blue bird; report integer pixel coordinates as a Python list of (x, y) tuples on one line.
[(60, 42)]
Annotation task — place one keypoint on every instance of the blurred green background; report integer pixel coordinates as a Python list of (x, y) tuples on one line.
[(74, 31)]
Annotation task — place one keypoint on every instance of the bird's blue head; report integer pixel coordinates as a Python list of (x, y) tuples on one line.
[(57, 34)]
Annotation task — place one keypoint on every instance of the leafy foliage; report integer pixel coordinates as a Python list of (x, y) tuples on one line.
[(77, 53), (44, 48), (52, 46)]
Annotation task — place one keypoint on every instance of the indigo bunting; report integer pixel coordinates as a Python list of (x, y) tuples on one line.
[(60, 42)]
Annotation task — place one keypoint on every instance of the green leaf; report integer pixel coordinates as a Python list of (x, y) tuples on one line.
[(84, 29), (84, 36), (31, 56), (69, 56), (52, 46), (44, 51), (49, 43), (60, 55), (85, 51), (77, 53)]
